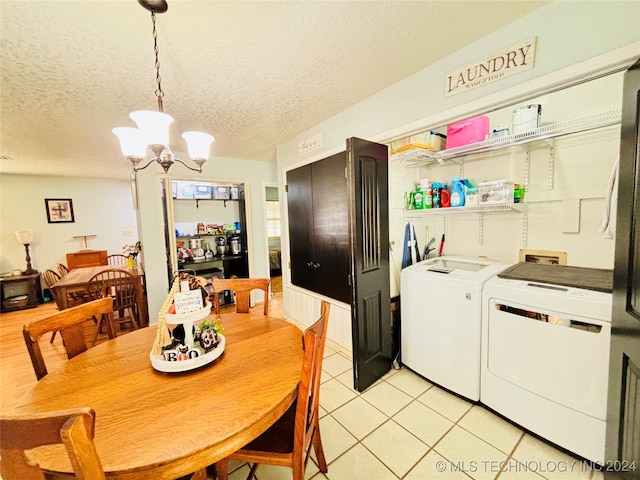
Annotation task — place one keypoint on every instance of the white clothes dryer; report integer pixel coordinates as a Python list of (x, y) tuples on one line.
[(440, 308), (545, 356)]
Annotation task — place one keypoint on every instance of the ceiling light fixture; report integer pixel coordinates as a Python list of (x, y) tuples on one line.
[(153, 127)]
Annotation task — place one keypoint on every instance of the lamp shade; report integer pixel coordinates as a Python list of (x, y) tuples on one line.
[(25, 237), (153, 125), (198, 144), (132, 142)]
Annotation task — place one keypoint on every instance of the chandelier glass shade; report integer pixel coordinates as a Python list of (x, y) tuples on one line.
[(153, 127)]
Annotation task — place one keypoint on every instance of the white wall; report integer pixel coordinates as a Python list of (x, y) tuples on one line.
[(568, 34), (579, 175), (252, 174), (101, 206)]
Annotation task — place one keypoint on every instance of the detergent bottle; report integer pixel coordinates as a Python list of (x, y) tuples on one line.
[(418, 198), (457, 192), (445, 196), (436, 198)]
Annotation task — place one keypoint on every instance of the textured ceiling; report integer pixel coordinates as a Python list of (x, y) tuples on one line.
[(251, 73)]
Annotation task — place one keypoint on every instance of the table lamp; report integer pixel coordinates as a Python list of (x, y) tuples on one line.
[(25, 237)]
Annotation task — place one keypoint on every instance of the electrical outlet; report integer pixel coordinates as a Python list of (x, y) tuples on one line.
[(127, 233)]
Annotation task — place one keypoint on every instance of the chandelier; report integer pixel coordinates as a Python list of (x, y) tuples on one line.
[(153, 127)]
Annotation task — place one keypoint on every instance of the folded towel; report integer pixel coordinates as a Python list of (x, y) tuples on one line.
[(608, 225)]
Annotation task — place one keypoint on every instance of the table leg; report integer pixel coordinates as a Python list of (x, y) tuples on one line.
[(62, 298), (142, 306)]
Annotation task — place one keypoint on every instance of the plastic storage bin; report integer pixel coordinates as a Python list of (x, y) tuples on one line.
[(426, 141), (467, 131), (498, 191)]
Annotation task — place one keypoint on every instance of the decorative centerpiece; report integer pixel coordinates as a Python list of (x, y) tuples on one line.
[(132, 252), (186, 339)]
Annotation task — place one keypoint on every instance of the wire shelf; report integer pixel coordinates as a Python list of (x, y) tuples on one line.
[(419, 157), (495, 207)]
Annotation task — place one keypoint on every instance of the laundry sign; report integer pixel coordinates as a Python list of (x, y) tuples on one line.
[(507, 62)]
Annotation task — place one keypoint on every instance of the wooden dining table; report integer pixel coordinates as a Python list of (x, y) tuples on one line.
[(158, 425), (77, 281)]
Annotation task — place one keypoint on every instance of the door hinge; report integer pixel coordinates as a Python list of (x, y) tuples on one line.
[(349, 278), (346, 173), (286, 188)]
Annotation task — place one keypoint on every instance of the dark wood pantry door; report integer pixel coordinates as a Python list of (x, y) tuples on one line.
[(367, 166), (622, 451)]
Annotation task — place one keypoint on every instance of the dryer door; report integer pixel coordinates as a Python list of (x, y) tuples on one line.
[(560, 357)]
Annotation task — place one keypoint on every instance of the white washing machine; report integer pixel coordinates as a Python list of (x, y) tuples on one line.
[(440, 308), (545, 357)]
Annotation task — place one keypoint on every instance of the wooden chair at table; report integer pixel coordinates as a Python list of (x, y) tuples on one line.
[(73, 428), (62, 269), (50, 277), (288, 442), (117, 259), (242, 288), (69, 323), (122, 287)]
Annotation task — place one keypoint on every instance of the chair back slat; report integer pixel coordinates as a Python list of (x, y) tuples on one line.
[(116, 259), (73, 428), (242, 288)]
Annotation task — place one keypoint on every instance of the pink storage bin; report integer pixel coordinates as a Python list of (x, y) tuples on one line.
[(467, 131)]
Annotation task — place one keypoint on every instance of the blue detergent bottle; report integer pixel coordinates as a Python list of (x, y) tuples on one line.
[(457, 192)]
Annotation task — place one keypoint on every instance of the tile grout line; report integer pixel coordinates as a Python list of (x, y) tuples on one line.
[(389, 418)]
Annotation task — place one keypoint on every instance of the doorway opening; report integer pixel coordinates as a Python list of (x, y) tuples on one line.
[(272, 217)]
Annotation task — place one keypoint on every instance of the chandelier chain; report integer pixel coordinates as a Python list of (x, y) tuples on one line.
[(153, 127), (159, 93)]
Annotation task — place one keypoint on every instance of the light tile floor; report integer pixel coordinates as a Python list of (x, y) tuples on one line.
[(403, 427)]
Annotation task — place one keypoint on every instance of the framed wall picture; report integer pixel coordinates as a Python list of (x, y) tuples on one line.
[(59, 210)]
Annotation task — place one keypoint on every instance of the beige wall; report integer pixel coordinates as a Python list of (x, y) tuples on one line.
[(572, 42), (101, 206)]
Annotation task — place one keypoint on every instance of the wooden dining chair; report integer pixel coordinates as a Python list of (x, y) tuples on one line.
[(62, 269), (50, 278), (121, 286), (288, 442), (242, 288), (69, 323), (117, 259), (73, 428)]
